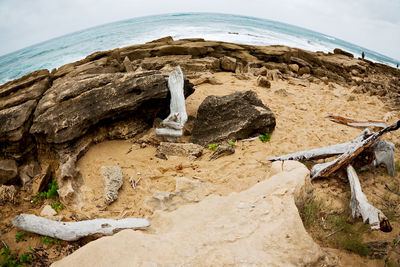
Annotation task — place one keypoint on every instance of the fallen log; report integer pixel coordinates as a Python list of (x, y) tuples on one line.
[(324, 152), (326, 169), (360, 207), (71, 231), (173, 124), (355, 123)]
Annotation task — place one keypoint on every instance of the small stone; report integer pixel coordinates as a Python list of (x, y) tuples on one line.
[(48, 212), (7, 194), (304, 70), (114, 179), (128, 65), (263, 82), (228, 63), (294, 67)]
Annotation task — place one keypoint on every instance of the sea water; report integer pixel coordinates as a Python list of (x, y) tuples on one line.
[(222, 27)]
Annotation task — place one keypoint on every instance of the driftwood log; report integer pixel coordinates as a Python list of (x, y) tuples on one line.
[(360, 207), (71, 231), (355, 123), (326, 169), (173, 124)]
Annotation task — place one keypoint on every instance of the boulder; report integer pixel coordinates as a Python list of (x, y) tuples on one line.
[(8, 170), (338, 51), (180, 149), (263, 82), (304, 70), (128, 65), (113, 179), (235, 116), (294, 67), (228, 63), (274, 75)]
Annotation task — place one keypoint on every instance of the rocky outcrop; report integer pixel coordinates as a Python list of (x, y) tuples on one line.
[(218, 230), (231, 117)]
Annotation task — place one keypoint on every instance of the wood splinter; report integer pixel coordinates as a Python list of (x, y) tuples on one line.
[(360, 207)]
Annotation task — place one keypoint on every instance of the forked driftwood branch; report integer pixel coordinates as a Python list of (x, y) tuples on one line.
[(71, 231), (355, 123), (326, 169), (173, 124), (360, 207)]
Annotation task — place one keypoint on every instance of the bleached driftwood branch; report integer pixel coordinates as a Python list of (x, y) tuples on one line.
[(324, 152), (173, 124), (326, 169), (360, 207), (384, 154), (71, 231), (355, 123)]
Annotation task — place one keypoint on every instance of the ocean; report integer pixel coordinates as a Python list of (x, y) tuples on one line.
[(222, 27)]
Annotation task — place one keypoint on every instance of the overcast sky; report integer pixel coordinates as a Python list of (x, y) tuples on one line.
[(373, 24)]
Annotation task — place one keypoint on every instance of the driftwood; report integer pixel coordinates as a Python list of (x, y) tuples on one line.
[(326, 169), (360, 207), (173, 124), (355, 123), (71, 231), (324, 152)]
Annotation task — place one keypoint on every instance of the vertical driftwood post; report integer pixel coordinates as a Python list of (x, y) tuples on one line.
[(173, 124), (360, 207)]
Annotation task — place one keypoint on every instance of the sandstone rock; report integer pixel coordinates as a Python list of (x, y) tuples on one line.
[(299, 62), (231, 117), (294, 67), (217, 232), (263, 82), (206, 78), (186, 191), (180, 149), (274, 75), (28, 172), (338, 51), (282, 92), (113, 179), (163, 40), (48, 212), (7, 194), (73, 106), (228, 64), (128, 65), (282, 67), (304, 70), (262, 71), (8, 171)]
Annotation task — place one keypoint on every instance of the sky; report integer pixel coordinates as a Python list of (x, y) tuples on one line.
[(373, 24)]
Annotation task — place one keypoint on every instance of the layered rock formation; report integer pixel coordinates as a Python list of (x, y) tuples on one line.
[(53, 117)]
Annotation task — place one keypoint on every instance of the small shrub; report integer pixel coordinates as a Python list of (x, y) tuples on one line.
[(11, 260), (50, 193), (20, 236), (49, 240), (265, 137), (212, 147), (309, 211), (57, 206), (232, 144)]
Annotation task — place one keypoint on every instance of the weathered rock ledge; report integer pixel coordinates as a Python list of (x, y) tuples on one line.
[(53, 118)]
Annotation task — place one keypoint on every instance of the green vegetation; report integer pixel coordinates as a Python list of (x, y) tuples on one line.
[(49, 240), (12, 260), (57, 206), (336, 229), (232, 144), (265, 137), (20, 236), (50, 193), (212, 147)]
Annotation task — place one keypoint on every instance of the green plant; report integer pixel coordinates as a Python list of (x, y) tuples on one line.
[(232, 144), (309, 211), (49, 240), (388, 262), (265, 137), (57, 206), (212, 147), (50, 193), (12, 260), (20, 236)]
